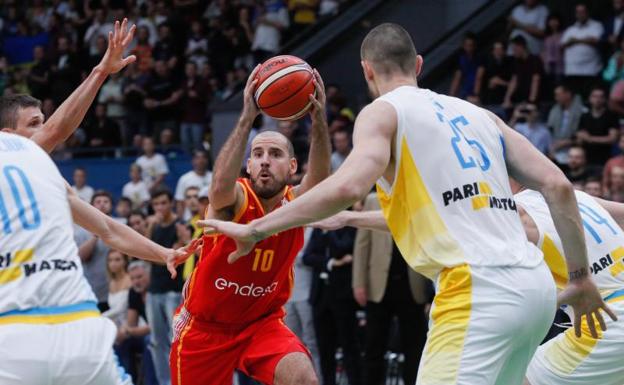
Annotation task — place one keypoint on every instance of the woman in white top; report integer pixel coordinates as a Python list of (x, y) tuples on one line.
[(118, 286)]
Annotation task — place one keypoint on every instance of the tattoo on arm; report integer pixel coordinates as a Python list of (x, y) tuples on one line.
[(580, 273)]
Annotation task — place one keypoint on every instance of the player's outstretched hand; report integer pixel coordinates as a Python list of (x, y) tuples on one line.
[(243, 235), (332, 223), (179, 256), (118, 41), (583, 296), (317, 112), (250, 109)]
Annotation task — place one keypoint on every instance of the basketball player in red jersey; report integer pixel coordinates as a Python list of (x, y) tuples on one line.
[(231, 317)]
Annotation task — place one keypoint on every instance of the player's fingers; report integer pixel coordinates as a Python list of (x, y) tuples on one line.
[(110, 39), (577, 324), (116, 32), (601, 321), (591, 325), (233, 257), (610, 312), (172, 270), (128, 60), (123, 30), (320, 86), (252, 76), (129, 36), (318, 78)]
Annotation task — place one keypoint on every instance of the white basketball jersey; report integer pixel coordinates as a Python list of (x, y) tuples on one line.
[(451, 202), (39, 263), (603, 237)]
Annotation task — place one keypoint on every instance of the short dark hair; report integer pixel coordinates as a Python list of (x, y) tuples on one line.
[(565, 86), (124, 199), (101, 193), (519, 40), (598, 87), (593, 178), (9, 106), (160, 191), (389, 47), (138, 212)]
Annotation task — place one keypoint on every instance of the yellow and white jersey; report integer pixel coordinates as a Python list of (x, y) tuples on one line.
[(450, 203), (603, 237), (41, 278)]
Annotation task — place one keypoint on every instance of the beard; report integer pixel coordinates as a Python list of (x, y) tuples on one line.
[(269, 189)]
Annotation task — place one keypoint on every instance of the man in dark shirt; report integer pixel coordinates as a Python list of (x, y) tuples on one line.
[(164, 294), (577, 169), (101, 131), (527, 75), (598, 129), (497, 75), (162, 97)]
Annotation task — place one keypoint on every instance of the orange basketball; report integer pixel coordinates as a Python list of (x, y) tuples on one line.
[(284, 85)]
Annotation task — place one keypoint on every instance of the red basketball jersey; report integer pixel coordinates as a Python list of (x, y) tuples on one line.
[(257, 284)]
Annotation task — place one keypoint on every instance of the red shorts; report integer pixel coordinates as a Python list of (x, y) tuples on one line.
[(208, 354)]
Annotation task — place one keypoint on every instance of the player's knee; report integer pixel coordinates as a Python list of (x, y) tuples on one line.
[(305, 377)]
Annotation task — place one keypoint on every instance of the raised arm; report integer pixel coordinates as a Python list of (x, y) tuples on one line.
[(372, 140), (223, 188), (68, 116), (532, 169), (368, 220), (122, 237), (319, 157)]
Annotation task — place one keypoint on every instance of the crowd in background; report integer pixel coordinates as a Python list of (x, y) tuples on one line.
[(355, 299), (559, 84)]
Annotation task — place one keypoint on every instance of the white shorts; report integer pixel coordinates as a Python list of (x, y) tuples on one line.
[(486, 323), (71, 353), (568, 360)]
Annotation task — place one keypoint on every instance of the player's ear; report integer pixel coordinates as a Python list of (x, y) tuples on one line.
[(419, 64), (248, 169), (368, 71), (9, 130), (293, 166)]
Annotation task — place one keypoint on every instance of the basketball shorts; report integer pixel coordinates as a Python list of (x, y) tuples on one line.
[(205, 353), (486, 323), (568, 360), (78, 352)]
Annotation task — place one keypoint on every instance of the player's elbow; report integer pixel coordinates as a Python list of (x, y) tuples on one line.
[(557, 187), (352, 192)]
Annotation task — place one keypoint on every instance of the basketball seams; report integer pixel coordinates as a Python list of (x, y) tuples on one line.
[(277, 76)]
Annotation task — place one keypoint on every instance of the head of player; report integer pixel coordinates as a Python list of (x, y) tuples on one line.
[(21, 115), (271, 164), (389, 58)]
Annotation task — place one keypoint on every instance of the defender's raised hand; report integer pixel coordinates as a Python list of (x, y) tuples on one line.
[(118, 41)]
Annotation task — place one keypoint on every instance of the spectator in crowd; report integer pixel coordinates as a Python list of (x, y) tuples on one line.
[(273, 19), (303, 14), (616, 185), (95, 57), (101, 131), (525, 120), (39, 74), (136, 190), (154, 166), (118, 285), (197, 45), (93, 251), (563, 119), (299, 312), (133, 101), (386, 287), (134, 336), (64, 71), (341, 141), (138, 221), (593, 186), (616, 161), (552, 51), (496, 77), (331, 255), (164, 49), (582, 61), (613, 31), (80, 186), (527, 72), (123, 210), (164, 293), (598, 129), (577, 169), (614, 72), (99, 27), (143, 50), (193, 105), (468, 76), (529, 21), (162, 94), (111, 95), (192, 205), (198, 177)]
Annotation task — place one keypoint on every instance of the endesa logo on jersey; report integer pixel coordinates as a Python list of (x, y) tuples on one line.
[(481, 196), (249, 290), (14, 265)]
